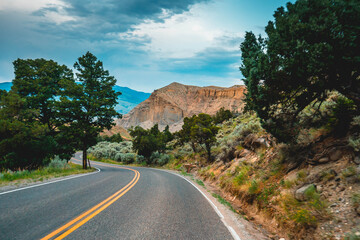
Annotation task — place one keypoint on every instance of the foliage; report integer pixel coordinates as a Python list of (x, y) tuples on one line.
[(222, 115), (24, 142), (199, 130), (311, 48), (57, 170), (113, 138), (39, 82), (109, 150), (146, 142), (159, 158), (88, 107)]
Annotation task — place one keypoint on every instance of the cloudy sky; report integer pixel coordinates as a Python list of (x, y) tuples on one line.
[(145, 44)]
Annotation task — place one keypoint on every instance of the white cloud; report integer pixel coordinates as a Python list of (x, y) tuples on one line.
[(57, 16), (179, 36), (27, 5)]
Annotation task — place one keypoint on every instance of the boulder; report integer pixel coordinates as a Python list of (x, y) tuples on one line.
[(301, 193), (335, 155)]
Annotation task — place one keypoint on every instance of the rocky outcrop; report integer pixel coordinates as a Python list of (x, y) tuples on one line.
[(169, 105)]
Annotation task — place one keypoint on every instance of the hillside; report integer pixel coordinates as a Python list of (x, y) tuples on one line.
[(126, 101), (171, 104)]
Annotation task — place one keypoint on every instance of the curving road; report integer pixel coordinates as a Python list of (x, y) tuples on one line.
[(115, 203)]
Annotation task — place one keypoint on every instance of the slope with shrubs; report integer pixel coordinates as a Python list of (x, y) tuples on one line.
[(305, 190)]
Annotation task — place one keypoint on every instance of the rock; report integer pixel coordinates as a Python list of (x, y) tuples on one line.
[(319, 189), (301, 193), (324, 160), (357, 210), (335, 155), (357, 160), (171, 104), (262, 142)]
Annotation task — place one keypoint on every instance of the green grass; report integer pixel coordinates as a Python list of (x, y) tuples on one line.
[(40, 174), (223, 201), (185, 173), (201, 183)]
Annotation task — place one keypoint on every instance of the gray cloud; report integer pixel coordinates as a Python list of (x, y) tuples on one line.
[(211, 61)]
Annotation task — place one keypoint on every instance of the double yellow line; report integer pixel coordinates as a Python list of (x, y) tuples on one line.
[(77, 222)]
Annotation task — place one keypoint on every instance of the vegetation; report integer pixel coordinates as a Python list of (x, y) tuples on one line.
[(56, 168), (147, 142), (312, 48), (47, 113), (222, 115), (199, 130)]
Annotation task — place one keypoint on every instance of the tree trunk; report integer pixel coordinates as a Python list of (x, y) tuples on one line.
[(208, 149), (85, 158)]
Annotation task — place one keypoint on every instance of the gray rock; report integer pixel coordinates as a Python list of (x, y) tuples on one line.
[(357, 160), (301, 195)]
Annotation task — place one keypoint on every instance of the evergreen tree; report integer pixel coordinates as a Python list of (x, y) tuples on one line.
[(312, 48), (88, 107)]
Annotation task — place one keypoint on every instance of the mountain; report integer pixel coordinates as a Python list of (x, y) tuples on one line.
[(126, 101), (5, 86), (169, 105)]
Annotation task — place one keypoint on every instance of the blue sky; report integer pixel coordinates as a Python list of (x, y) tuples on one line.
[(145, 44)]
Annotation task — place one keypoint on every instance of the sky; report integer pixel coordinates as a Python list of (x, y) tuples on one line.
[(145, 44)]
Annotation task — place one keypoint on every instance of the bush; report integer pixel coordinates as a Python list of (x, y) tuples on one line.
[(114, 151), (128, 158), (140, 159), (58, 163), (159, 158)]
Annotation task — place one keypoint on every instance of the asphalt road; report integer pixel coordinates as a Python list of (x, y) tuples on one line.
[(115, 203)]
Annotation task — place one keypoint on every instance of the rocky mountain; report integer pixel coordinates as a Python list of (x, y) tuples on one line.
[(169, 105), (126, 101)]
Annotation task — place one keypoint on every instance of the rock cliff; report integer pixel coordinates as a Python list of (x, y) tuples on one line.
[(169, 105)]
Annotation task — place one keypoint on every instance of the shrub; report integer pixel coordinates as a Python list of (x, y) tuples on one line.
[(58, 163), (159, 158), (140, 159), (128, 158)]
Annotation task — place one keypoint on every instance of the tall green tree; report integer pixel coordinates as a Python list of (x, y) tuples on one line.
[(311, 48), (88, 107), (39, 82)]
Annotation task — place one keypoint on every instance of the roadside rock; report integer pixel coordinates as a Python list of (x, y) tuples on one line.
[(335, 155), (300, 194), (324, 160)]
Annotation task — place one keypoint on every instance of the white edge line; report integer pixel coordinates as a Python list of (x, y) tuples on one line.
[(231, 230), (41, 184)]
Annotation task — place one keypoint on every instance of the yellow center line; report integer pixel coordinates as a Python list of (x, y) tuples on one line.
[(104, 204), (95, 213)]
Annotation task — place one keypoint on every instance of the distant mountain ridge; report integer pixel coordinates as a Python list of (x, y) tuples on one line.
[(171, 104), (126, 101)]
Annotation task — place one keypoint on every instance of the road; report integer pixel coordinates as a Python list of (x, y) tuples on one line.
[(115, 203)]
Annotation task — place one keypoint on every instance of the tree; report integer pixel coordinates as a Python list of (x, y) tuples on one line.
[(312, 48), (199, 130), (39, 83), (222, 115), (88, 107), (146, 142), (24, 142), (184, 135)]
